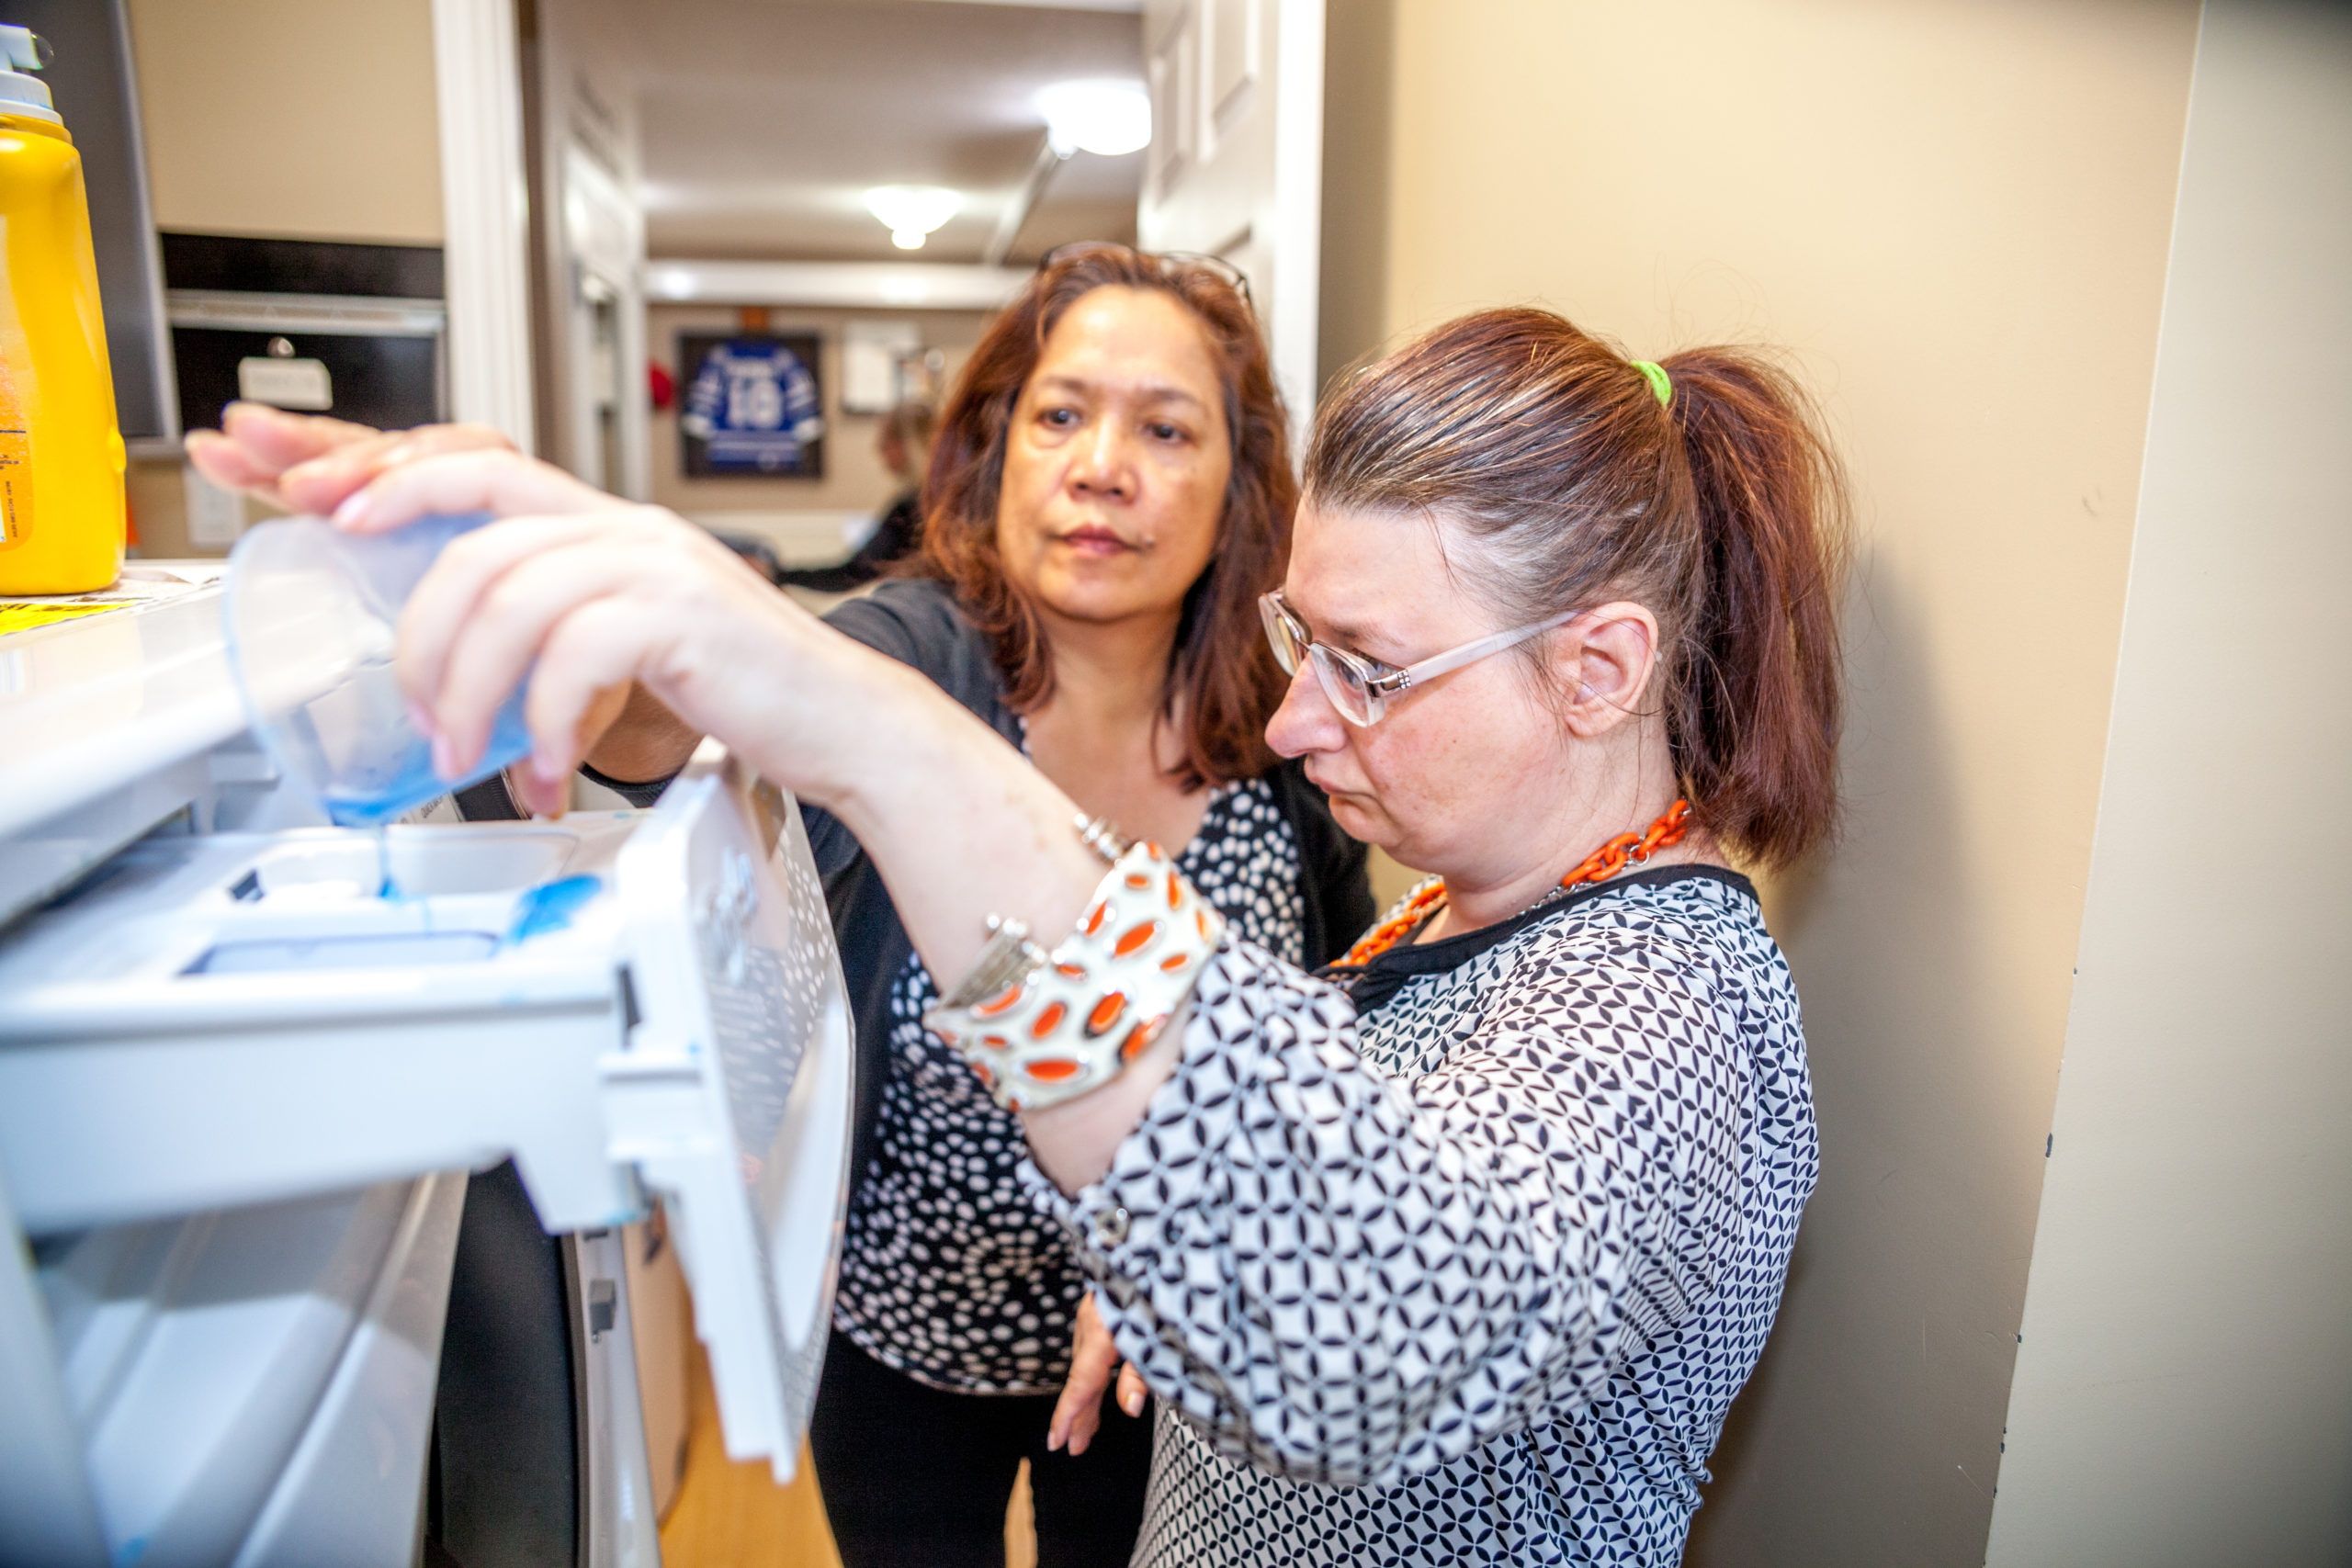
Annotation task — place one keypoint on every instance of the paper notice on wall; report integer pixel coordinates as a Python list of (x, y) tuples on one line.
[(215, 516), (870, 356), (286, 383)]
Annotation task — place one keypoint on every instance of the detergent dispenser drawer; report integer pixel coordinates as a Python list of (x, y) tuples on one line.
[(619, 1002)]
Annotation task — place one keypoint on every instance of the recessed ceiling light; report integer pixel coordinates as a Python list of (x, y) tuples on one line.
[(1106, 117), (912, 212)]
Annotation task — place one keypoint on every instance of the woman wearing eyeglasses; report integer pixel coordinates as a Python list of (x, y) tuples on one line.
[(1109, 494), (1461, 1255)]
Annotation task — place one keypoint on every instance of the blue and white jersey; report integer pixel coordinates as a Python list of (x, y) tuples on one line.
[(754, 406)]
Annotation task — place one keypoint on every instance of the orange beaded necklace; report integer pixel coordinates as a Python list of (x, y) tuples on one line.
[(1624, 850)]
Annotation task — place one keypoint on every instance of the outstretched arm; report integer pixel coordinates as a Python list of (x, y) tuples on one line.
[(309, 464), (587, 601), (1337, 1273)]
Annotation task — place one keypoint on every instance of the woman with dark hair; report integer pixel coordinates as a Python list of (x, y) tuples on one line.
[(1460, 1253), (1109, 493)]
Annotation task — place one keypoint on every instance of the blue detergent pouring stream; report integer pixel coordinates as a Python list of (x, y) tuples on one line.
[(310, 614)]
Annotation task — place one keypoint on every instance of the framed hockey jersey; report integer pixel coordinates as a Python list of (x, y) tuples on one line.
[(752, 405)]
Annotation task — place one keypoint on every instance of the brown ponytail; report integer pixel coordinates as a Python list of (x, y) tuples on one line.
[(1757, 704), (1724, 513)]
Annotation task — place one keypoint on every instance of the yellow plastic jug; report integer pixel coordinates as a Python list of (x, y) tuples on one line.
[(61, 451)]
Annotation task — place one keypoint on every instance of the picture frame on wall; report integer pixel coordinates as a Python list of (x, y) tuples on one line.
[(751, 405)]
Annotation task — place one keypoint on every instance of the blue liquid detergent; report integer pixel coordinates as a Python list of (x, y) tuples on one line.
[(408, 781), (352, 742), (550, 906)]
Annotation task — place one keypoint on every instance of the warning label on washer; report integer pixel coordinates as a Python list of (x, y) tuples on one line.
[(19, 616)]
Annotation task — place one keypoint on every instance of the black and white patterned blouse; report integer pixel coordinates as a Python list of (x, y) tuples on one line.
[(949, 1273), (1474, 1277)]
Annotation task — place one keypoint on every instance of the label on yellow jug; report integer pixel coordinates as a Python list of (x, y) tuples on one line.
[(15, 466)]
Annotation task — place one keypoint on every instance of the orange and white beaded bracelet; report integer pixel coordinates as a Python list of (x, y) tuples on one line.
[(1041, 1027)]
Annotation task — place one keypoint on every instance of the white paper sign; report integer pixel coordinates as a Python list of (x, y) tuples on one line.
[(215, 516), (286, 383), (870, 352)]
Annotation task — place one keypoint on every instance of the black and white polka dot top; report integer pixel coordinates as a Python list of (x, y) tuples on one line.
[(1472, 1278), (949, 1273)]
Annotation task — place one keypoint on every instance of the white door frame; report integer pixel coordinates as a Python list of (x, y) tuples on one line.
[(1229, 178), (1294, 333), (485, 214)]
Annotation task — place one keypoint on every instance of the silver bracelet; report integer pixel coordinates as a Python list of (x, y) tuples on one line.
[(1101, 837)]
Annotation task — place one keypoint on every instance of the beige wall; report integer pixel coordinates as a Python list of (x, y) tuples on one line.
[(295, 118), (2184, 1391), (854, 479), (307, 119), (1954, 212)]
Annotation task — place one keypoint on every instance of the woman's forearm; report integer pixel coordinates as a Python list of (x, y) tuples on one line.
[(630, 609), (960, 825)]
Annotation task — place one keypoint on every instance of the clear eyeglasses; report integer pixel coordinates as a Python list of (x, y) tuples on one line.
[(1361, 688)]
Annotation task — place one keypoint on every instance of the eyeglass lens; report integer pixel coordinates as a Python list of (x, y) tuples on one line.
[(1344, 684), (1341, 680)]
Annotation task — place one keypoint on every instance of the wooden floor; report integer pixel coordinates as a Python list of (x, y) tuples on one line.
[(735, 1516)]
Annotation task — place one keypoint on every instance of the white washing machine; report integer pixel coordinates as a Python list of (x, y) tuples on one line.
[(258, 1109)]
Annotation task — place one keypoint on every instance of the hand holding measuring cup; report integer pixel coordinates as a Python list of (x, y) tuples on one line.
[(311, 613), (308, 463), (582, 594)]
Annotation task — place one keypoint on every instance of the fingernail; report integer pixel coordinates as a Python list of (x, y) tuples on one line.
[(420, 720), (1053, 1442), (445, 757), (353, 510), (1132, 1402), (394, 457), (548, 770)]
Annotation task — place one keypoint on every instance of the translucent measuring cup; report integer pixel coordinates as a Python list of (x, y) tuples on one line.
[(310, 614)]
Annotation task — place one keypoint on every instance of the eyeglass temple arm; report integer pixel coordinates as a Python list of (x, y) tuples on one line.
[(1471, 652)]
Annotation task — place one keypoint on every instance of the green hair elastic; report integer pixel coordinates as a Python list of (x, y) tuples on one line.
[(1657, 377)]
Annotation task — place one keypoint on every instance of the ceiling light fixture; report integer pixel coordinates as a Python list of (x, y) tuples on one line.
[(912, 212), (1106, 117)]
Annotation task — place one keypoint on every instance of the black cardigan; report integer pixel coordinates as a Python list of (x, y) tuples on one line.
[(917, 621)]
